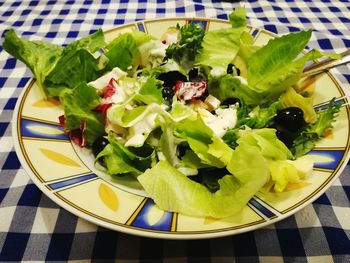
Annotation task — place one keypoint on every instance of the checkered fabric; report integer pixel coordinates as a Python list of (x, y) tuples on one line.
[(33, 228)]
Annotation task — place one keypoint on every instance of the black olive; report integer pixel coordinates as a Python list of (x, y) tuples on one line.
[(238, 71), (170, 78), (292, 119), (181, 149), (230, 101), (284, 135), (229, 69), (98, 145), (168, 94), (193, 74)]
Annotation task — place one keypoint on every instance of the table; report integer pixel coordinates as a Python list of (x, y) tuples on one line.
[(33, 228)]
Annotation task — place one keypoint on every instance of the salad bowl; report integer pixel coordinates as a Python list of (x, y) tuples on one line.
[(68, 175)]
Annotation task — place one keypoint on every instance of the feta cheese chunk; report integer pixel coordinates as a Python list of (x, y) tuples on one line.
[(223, 120), (102, 82)]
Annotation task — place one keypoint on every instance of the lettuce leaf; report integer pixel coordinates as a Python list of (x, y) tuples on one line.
[(307, 139), (57, 68), (115, 163), (258, 117), (293, 99), (74, 67), (173, 191), (39, 56), (121, 52), (228, 86), (79, 105), (238, 17), (120, 160), (220, 47), (151, 91), (188, 45), (266, 141), (270, 67)]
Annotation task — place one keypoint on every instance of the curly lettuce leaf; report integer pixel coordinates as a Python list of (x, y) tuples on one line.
[(307, 139), (258, 117), (188, 45)]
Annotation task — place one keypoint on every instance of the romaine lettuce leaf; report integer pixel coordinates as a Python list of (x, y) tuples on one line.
[(270, 65), (57, 68), (228, 86), (79, 105), (121, 52), (238, 17), (73, 68), (221, 46), (120, 160), (273, 68), (39, 56), (115, 163), (204, 143), (124, 51)]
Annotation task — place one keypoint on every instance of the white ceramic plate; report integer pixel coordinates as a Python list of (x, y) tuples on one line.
[(66, 174)]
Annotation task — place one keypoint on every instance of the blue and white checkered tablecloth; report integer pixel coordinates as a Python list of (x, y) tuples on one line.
[(33, 228)]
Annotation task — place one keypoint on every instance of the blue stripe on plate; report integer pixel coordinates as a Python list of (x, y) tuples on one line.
[(142, 219), (72, 181), (261, 208), (36, 129), (329, 159), (141, 27), (254, 32)]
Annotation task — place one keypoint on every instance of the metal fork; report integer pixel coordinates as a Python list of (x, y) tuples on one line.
[(326, 64)]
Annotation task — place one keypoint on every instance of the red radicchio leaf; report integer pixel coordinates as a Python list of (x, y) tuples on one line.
[(190, 90), (76, 135), (111, 88), (103, 107)]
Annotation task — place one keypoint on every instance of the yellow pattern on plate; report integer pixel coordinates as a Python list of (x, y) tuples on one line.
[(108, 197)]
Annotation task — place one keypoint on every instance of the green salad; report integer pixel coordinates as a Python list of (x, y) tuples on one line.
[(203, 120)]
